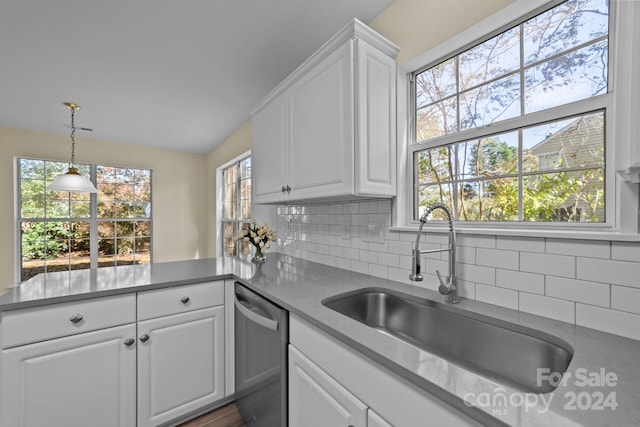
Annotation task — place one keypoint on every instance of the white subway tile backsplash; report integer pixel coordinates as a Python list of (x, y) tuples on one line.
[(519, 281), (477, 274), (477, 241), (498, 296), (584, 248), (612, 321), (368, 256), (400, 247), (379, 271), (390, 260), (399, 275), (609, 271), (466, 289), (591, 283), (497, 258), (359, 267), (625, 299), (553, 265), (523, 244), (344, 263), (548, 307), (466, 255), (626, 251), (369, 207), (384, 206), (578, 290)]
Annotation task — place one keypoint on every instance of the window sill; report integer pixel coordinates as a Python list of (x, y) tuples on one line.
[(541, 233)]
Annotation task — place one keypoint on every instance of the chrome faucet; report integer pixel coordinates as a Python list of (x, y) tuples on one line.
[(449, 287)]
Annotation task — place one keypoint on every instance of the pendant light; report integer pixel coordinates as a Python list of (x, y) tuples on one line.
[(72, 180)]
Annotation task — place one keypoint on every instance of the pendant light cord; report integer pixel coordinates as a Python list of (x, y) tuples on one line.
[(73, 139)]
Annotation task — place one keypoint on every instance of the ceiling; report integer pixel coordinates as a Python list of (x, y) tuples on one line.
[(176, 74)]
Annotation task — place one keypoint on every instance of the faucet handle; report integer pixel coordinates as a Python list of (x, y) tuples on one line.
[(445, 287)]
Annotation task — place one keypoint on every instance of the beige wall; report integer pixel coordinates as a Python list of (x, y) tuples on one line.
[(418, 25), (179, 196), (236, 144), (184, 204)]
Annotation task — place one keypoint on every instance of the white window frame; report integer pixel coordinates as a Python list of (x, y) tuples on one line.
[(220, 200), (93, 218), (622, 199)]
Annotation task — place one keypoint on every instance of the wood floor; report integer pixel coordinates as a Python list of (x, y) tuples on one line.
[(227, 416)]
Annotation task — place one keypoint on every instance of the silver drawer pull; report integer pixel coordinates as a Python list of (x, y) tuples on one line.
[(76, 318), (185, 300), (129, 342), (144, 338)]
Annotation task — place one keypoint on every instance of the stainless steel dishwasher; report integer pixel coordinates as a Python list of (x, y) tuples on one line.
[(261, 338)]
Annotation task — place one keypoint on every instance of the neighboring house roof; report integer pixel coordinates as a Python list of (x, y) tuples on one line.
[(577, 144)]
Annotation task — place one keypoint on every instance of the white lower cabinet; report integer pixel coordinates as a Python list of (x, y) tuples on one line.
[(317, 400), (180, 364), (88, 363), (79, 380), (330, 381)]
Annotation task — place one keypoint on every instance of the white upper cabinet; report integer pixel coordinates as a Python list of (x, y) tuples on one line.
[(328, 130)]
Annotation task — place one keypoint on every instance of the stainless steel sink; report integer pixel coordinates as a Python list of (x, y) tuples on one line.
[(505, 352)]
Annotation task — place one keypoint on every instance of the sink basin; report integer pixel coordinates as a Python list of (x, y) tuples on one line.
[(505, 352)]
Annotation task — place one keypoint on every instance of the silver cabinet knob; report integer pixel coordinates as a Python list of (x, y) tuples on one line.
[(129, 342), (144, 338), (185, 300), (284, 188), (288, 189), (76, 318)]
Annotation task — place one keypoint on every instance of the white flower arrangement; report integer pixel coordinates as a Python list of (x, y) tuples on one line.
[(259, 236)]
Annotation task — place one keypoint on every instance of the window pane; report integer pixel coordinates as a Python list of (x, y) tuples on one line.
[(229, 244), (498, 100), (437, 119), (143, 228), (489, 200), (32, 169), (430, 194), (491, 156), (577, 75), (124, 228), (435, 165), (32, 189), (436, 83), (491, 59), (564, 27), (565, 197), (571, 143), (32, 208)]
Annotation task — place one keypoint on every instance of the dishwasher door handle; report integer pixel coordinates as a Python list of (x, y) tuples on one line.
[(245, 309)]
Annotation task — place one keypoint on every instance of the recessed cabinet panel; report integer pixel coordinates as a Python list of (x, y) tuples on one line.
[(322, 129), (375, 107), (180, 365), (86, 379), (269, 152), (317, 400)]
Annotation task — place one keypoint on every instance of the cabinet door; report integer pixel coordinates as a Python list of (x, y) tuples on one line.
[(76, 381), (375, 111), (375, 420), (317, 400), (180, 365), (321, 117), (269, 152)]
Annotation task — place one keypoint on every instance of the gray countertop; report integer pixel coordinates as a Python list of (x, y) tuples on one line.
[(300, 286)]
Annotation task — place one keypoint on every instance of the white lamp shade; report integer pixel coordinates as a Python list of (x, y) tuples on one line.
[(72, 181)]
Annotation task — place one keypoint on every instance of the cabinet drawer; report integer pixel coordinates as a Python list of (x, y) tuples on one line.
[(57, 320), (179, 299)]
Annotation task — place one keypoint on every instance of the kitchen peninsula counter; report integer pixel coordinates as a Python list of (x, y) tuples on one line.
[(299, 286)]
